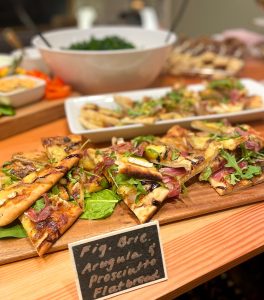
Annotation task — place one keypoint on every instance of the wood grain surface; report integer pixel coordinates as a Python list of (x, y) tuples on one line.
[(199, 199), (195, 251), (32, 115)]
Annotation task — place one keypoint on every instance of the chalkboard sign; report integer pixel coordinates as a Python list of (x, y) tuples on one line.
[(118, 262)]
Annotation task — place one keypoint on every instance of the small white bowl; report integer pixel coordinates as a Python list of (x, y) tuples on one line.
[(110, 70), (21, 97)]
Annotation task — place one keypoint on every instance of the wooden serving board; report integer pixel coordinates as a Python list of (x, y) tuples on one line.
[(200, 199), (32, 115)]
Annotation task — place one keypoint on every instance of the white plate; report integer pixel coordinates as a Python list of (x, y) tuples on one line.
[(73, 107)]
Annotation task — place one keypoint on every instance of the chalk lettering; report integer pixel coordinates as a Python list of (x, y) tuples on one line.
[(92, 280), (151, 249), (117, 262), (102, 250), (142, 279), (97, 292), (125, 241), (120, 259), (85, 249), (143, 238), (112, 289)]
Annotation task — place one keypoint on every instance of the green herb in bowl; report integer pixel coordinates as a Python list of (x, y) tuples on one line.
[(107, 43)]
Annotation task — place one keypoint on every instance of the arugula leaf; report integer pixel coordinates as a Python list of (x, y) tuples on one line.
[(250, 155), (140, 191), (100, 205), (8, 172), (143, 138), (231, 161), (7, 110), (98, 152), (104, 183), (121, 179), (39, 205), (6, 163), (55, 190), (184, 189), (234, 178), (207, 172), (127, 154), (252, 171), (247, 172), (70, 177), (13, 230), (175, 154)]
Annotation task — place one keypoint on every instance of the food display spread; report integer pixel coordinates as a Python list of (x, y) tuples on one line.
[(47, 191), (207, 56), (218, 97)]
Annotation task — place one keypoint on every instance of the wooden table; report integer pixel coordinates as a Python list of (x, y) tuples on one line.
[(195, 250)]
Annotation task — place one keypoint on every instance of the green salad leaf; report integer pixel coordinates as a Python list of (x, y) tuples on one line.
[(7, 110), (13, 230), (100, 205)]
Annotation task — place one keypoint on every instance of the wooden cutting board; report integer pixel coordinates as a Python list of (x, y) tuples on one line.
[(31, 116), (200, 199)]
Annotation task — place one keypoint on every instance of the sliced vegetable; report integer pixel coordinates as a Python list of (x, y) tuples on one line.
[(55, 87)]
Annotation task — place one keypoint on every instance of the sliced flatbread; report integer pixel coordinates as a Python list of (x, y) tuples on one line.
[(14, 200), (45, 227)]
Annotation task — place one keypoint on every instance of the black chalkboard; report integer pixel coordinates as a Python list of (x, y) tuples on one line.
[(118, 262)]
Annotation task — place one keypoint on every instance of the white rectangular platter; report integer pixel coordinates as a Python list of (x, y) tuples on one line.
[(73, 107)]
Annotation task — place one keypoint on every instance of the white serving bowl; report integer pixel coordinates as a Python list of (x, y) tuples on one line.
[(21, 97), (111, 70)]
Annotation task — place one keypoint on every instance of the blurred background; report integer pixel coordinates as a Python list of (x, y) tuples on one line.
[(202, 17)]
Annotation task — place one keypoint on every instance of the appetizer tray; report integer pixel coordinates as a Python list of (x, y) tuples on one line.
[(73, 107), (200, 199)]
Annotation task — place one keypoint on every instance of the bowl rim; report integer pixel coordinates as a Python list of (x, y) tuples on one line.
[(34, 41)]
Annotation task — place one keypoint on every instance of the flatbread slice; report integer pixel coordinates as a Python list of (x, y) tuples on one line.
[(145, 207), (223, 187), (14, 200), (24, 163), (58, 147), (44, 227)]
